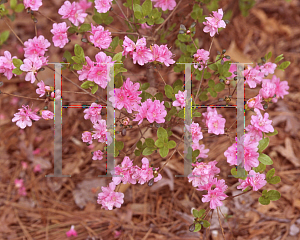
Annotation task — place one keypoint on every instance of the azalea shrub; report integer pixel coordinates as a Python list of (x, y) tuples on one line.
[(145, 43)]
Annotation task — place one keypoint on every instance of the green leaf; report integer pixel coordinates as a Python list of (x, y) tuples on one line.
[(139, 145), (162, 133), (137, 152), (171, 144), (149, 142), (197, 114), (72, 29), (145, 96), (147, 7), (213, 93), (272, 133), (94, 89), (119, 145), (78, 51), (197, 227), (67, 55), (108, 20), (268, 55), (205, 223), (270, 174), (150, 21), (227, 74), (4, 36), (17, 62), (159, 143), (145, 86), (279, 58), (148, 151), (264, 201), (261, 167), (164, 151), (275, 180), (171, 113), (117, 57), (263, 144), (219, 87), (169, 91), (211, 83), (137, 11), (265, 159), (203, 96), (196, 213), (213, 66), (77, 67), (181, 113), (159, 96), (159, 20), (169, 133), (284, 65), (117, 152), (17, 71), (178, 83), (177, 88), (206, 74), (86, 84), (85, 27), (114, 43), (167, 105), (19, 8), (76, 59), (201, 212), (273, 195), (13, 3), (97, 19)]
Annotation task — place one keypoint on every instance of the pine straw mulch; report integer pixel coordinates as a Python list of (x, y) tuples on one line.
[(162, 211)]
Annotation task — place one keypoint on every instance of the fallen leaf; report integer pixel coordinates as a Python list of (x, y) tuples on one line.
[(288, 152)]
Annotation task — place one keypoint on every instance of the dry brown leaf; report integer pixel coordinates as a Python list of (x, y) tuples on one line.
[(236, 54), (288, 152)]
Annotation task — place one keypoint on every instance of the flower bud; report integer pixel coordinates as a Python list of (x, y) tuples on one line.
[(227, 57), (181, 32), (1, 84), (84, 40), (182, 27), (227, 21), (123, 132), (151, 182), (192, 227), (193, 25), (188, 31), (224, 51)]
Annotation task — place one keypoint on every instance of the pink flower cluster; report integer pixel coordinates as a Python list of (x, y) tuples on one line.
[(60, 38), (165, 4), (103, 6), (195, 130), (108, 198), (73, 11), (34, 5), (100, 38), (93, 113), (214, 121), (71, 232), (141, 54), (19, 184), (152, 110), (42, 88), (101, 134), (273, 87), (46, 114), (214, 22), (254, 180), (25, 116), (261, 123), (180, 99), (201, 57), (201, 148), (127, 96), (96, 71), (6, 65), (253, 76), (97, 155)]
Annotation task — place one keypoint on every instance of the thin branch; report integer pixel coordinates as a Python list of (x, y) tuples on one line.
[(23, 97), (220, 223), (13, 31)]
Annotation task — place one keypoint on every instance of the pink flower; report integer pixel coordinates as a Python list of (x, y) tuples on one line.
[(253, 76), (220, 184), (214, 121), (203, 173), (255, 180), (24, 117), (128, 46), (162, 54), (125, 121), (93, 113), (214, 22), (86, 69), (19, 183), (255, 103), (42, 88), (109, 198), (146, 173), (165, 4), (100, 38), (280, 89), (255, 134), (24, 165), (101, 133), (73, 12), (6, 65), (36, 46), (71, 232), (268, 68), (244, 152), (87, 137), (84, 5), (195, 130), (22, 191), (180, 99), (46, 114), (214, 197), (34, 5), (31, 65), (201, 147), (98, 155), (268, 89), (36, 151), (152, 110), (125, 171), (142, 55), (37, 168), (262, 123), (103, 6), (201, 57), (127, 96), (60, 38), (145, 26)]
